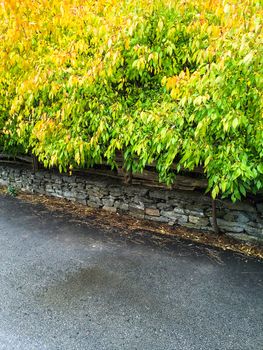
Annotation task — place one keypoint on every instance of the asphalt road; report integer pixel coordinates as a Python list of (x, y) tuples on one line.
[(71, 286)]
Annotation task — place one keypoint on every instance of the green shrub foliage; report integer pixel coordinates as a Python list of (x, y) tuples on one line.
[(161, 81)]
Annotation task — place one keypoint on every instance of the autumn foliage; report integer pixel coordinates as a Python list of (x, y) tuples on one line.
[(176, 81)]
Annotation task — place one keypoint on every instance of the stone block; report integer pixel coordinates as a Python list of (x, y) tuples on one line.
[(258, 224), (81, 195), (93, 204), (110, 209), (54, 194), (237, 217), (81, 186), (169, 214), (108, 202), (177, 218), (79, 180), (49, 188), (162, 206), (69, 179), (179, 210), (136, 208), (67, 194), (171, 222), (95, 199), (82, 201), (137, 215), (242, 220), (133, 190), (58, 181), (200, 221), (191, 225), (121, 205), (255, 231), (259, 207), (239, 206), (95, 193), (196, 212), (230, 226), (115, 191), (158, 194), (157, 218), (182, 220), (152, 212), (4, 182), (245, 237)]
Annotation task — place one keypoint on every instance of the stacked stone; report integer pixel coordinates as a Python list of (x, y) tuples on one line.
[(242, 220)]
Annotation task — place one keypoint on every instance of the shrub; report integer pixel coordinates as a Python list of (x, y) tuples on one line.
[(164, 81)]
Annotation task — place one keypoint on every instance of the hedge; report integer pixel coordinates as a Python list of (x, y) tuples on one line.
[(161, 81)]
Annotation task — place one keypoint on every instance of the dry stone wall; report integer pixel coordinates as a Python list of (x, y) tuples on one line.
[(243, 220)]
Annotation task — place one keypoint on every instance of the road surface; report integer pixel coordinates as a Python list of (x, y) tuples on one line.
[(69, 286)]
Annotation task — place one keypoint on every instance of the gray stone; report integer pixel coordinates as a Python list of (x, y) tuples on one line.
[(158, 194), (179, 210), (152, 212), (242, 206), (58, 181), (121, 205), (161, 205), (95, 199), (207, 228), (69, 179), (59, 195), (81, 195), (3, 182), (110, 209), (245, 238), (230, 226), (41, 190), (171, 222), (175, 203), (236, 216), (259, 207), (81, 186), (108, 202), (198, 221), (169, 214), (136, 208), (98, 191), (191, 225), (115, 191), (93, 204), (138, 200), (82, 201), (183, 220), (256, 224), (135, 190), (67, 194), (137, 215), (174, 216), (255, 231), (178, 195), (190, 209), (79, 180), (199, 213), (38, 174), (156, 218), (95, 194), (49, 188)]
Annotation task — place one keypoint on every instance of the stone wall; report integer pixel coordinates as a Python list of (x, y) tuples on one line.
[(243, 220)]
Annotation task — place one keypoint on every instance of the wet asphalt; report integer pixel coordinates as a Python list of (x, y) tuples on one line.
[(69, 286)]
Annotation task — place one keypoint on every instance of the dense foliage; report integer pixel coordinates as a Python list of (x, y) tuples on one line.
[(165, 81)]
